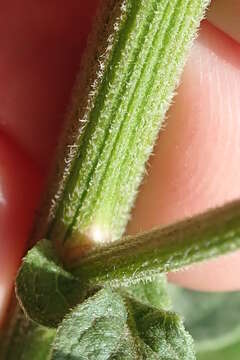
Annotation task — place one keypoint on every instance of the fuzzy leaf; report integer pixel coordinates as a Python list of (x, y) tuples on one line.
[(154, 292), (46, 291), (93, 329), (162, 331), (111, 325)]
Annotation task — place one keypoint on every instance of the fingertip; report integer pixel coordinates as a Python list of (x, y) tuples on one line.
[(41, 47), (220, 274)]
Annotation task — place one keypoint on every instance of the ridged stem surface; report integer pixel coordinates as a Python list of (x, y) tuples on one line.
[(140, 58)]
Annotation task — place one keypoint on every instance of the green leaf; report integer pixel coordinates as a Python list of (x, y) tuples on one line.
[(213, 319), (154, 293), (46, 291), (162, 331), (111, 325), (93, 329)]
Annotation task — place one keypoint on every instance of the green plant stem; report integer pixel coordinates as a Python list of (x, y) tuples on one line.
[(141, 51), (169, 249)]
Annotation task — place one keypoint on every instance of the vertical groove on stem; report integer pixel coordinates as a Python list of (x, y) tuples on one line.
[(140, 58)]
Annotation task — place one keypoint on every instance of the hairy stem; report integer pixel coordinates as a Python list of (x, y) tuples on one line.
[(169, 249), (119, 107)]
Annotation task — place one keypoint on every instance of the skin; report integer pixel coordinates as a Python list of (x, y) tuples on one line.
[(196, 160)]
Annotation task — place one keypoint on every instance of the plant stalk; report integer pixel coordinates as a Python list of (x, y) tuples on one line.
[(118, 108), (171, 248)]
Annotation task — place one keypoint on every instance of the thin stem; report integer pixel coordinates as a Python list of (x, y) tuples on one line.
[(169, 249)]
